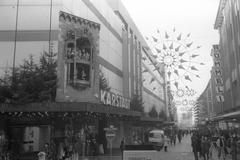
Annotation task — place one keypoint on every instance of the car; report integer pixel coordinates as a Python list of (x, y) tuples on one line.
[(156, 137)]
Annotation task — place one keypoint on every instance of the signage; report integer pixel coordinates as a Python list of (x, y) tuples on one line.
[(218, 73), (113, 99), (220, 89), (220, 98)]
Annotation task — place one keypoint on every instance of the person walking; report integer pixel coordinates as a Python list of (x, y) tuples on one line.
[(195, 145), (233, 145), (205, 145), (173, 139), (166, 142), (179, 136), (221, 147), (122, 146)]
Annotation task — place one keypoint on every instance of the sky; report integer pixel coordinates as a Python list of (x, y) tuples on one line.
[(186, 16)]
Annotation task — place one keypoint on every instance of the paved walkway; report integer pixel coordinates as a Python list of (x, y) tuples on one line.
[(181, 151)]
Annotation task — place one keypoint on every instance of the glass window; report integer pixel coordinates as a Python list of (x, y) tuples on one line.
[(79, 59)]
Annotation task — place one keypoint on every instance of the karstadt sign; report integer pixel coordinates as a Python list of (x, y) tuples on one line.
[(113, 99)]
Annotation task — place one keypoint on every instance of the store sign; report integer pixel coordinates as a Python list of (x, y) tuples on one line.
[(222, 125), (218, 73), (113, 99), (220, 98), (110, 132), (220, 89)]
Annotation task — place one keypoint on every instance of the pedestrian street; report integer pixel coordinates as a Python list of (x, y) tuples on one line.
[(181, 151)]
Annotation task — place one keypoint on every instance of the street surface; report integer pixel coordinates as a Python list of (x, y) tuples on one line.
[(181, 151)]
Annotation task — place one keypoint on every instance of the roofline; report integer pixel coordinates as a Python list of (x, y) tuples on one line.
[(219, 17)]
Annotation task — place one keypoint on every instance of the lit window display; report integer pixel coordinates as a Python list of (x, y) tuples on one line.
[(78, 56)]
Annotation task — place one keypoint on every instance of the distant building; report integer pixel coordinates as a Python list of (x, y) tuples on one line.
[(202, 108)]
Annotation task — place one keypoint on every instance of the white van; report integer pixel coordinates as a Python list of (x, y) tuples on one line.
[(156, 137)]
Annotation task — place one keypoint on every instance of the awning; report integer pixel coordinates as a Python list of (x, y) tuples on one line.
[(151, 119), (68, 107), (169, 123), (227, 116)]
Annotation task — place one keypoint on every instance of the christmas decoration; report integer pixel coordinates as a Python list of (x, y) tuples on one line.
[(176, 52)]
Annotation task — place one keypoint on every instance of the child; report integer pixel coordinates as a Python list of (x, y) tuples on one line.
[(166, 142)]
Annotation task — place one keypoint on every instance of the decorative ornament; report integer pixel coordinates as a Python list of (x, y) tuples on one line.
[(184, 102), (176, 52), (180, 93)]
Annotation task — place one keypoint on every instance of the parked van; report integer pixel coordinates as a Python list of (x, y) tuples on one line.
[(156, 137)]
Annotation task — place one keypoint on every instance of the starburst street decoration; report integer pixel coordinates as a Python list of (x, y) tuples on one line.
[(180, 93), (177, 53)]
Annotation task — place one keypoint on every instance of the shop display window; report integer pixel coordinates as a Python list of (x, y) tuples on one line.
[(78, 59), (29, 138)]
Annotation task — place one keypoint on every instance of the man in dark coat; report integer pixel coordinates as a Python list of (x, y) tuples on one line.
[(179, 136), (195, 145), (205, 145)]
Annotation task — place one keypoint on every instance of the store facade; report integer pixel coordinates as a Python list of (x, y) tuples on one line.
[(91, 41)]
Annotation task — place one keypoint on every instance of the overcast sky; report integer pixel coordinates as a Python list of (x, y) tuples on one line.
[(187, 16)]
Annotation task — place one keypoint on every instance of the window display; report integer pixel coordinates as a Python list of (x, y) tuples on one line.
[(79, 59)]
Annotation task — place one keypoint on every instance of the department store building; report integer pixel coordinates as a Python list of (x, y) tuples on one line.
[(92, 38)]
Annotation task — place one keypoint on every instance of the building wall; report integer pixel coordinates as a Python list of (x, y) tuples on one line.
[(153, 85), (201, 107), (33, 30), (228, 24), (153, 93)]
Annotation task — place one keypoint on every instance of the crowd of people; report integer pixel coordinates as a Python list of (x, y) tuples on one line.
[(206, 141), (203, 144)]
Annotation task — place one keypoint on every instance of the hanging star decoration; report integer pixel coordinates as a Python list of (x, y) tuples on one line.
[(177, 52), (152, 79)]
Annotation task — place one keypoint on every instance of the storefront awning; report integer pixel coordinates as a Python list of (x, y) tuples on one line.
[(228, 116), (151, 119), (68, 107), (169, 123)]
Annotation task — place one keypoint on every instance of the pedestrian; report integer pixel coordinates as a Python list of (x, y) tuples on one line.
[(205, 145), (233, 144), (122, 146), (221, 147), (173, 138), (166, 142), (195, 145), (46, 151), (211, 146), (199, 145), (179, 136), (41, 156)]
